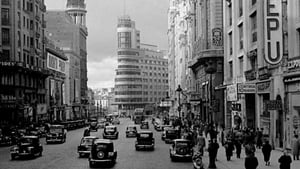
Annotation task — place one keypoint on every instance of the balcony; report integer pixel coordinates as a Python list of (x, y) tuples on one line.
[(37, 34)]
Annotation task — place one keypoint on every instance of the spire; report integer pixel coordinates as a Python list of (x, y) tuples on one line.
[(124, 7)]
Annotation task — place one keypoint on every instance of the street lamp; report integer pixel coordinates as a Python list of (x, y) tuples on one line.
[(179, 90)]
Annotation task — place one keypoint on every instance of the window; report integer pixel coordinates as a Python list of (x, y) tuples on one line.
[(240, 8), (241, 36), (253, 2), (230, 70), (124, 39), (230, 43), (5, 55), (5, 16), (24, 21), (24, 40), (241, 64), (230, 15), (253, 20), (5, 36), (298, 40)]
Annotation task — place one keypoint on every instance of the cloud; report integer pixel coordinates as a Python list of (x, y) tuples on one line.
[(100, 74)]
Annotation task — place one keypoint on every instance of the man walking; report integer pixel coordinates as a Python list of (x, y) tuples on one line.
[(266, 150), (295, 147), (213, 151)]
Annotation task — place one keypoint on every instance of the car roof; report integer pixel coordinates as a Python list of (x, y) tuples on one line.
[(102, 141), (110, 126), (56, 125), (145, 132), (33, 137), (90, 137)]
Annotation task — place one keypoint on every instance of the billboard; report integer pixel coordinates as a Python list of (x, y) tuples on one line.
[(273, 31)]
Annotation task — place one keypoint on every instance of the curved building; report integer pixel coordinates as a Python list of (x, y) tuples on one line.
[(141, 76)]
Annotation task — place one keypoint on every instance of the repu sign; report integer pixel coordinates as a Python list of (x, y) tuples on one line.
[(273, 31)]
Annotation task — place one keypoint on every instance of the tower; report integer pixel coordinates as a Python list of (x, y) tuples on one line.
[(77, 10)]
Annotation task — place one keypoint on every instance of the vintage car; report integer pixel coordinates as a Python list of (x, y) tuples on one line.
[(102, 152), (115, 121), (93, 124), (110, 132), (171, 134), (163, 134), (144, 125), (181, 149), (86, 145), (144, 140), (27, 146), (57, 133), (131, 131), (101, 123)]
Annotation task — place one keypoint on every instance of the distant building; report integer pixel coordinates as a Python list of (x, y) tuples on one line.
[(70, 33), (142, 73), (22, 61)]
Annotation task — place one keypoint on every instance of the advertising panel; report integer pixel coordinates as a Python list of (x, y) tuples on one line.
[(273, 31), (232, 92)]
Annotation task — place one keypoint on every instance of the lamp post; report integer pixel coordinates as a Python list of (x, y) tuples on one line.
[(179, 90)]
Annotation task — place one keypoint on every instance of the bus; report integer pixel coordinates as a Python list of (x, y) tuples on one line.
[(138, 115)]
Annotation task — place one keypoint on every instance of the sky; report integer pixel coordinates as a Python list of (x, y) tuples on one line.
[(150, 18)]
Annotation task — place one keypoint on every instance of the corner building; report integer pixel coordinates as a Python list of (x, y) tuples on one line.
[(142, 75), (255, 91)]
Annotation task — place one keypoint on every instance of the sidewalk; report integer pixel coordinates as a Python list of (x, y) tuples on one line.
[(236, 163)]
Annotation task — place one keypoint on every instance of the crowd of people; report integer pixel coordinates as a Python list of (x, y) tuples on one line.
[(232, 140)]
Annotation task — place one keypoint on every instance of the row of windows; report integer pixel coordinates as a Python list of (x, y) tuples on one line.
[(128, 53), (154, 68), (21, 80), (128, 80), (128, 60), (154, 62), (128, 66), (138, 99), (128, 86), (128, 93), (124, 39), (155, 74), (156, 80), (128, 73)]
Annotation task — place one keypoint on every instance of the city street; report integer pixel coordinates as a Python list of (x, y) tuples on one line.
[(64, 156)]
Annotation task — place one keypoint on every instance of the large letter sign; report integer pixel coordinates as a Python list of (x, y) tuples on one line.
[(273, 31)]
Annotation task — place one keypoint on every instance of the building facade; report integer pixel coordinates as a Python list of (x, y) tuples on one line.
[(22, 61), (253, 67), (141, 76), (70, 34)]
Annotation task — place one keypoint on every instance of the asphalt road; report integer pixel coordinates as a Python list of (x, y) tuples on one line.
[(65, 156)]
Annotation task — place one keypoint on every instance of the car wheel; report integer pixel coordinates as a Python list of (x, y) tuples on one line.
[(91, 165), (172, 158), (137, 149)]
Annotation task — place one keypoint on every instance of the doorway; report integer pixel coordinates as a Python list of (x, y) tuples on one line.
[(250, 110)]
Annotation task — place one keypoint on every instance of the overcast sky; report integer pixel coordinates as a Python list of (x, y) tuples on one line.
[(150, 17)]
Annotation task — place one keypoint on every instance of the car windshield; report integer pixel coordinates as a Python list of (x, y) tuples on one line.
[(171, 131), (182, 144), (104, 146), (55, 130), (26, 141), (145, 135), (131, 128), (87, 141), (110, 129)]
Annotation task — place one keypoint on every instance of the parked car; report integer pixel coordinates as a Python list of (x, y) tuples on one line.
[(93, 124), (144, 125), (171, 134), (27, 146), (163, 134), (102, 152), (144, 140), (110, 132), (115, 121), (131, 131), (85, 145), (181, 149), (57, 133), (101, 123)]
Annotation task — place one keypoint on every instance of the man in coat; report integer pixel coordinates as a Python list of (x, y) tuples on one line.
[(295, 147), (266, 150)]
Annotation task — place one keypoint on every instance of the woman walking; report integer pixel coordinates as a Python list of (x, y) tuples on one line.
[(213, 151), (285, 161), (251, 162), (266, 150), (228, 149), (295, 147)]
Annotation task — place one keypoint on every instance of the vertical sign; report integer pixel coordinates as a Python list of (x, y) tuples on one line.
[(273, 31)]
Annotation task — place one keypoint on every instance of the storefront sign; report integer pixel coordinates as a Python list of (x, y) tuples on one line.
[(293, 64), (264, 87), (246, 88), (273, 105), (264, 73), (55, 63), (273, 31), (232, 92)]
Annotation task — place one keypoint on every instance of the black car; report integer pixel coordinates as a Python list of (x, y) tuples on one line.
[(131, 131), (27, 146), (144, 125), (144, 140), (181, 149), (110, 132), (171, 134), (57, 133), (86, 145), (102, 152)]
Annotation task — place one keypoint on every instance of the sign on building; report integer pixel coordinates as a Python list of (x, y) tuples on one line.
[(232, 92), (217, 37), (246, 88), (273, 31)]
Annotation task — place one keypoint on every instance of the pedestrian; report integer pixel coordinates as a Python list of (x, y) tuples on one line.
[(251, 162), (266, 150), (238, 146), (285, 161), (201, 143), (249, 149), (86, 132), (213, 147), (259, 136), (295, 147), (228, 148)]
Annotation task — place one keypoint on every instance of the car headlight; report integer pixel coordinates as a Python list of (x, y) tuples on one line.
[(173, 151), (111, 154)]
